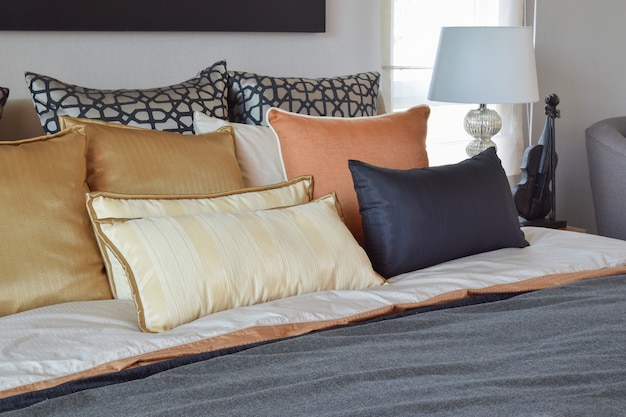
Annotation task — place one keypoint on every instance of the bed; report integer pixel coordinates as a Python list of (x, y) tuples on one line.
[(435, 302)]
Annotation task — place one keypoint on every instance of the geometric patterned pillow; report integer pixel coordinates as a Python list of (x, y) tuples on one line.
[(167, 108), (251, 95), (4, 95)]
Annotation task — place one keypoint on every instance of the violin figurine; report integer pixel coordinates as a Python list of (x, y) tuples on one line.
[(534, 196)]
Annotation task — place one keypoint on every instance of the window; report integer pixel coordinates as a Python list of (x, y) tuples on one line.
[(410, 38)]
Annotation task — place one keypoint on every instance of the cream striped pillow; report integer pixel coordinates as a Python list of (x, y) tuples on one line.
[(102, 205), (185, 267)]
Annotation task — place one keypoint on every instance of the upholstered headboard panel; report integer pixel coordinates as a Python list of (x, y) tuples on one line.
[(4, 95)]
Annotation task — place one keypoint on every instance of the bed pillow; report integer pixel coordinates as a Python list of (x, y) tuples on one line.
[(49, 252), (4, 95), (131, 160), (163, 108), (122, 206), (185, 267), (322, 146), (257, 149), (416, 218), (251, 95)]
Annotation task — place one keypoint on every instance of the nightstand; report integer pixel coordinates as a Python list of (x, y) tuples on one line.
[(575, 229), (558, 224), (552, 224)]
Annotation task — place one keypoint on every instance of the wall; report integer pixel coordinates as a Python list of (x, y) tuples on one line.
[(581, 56), (139, 60)]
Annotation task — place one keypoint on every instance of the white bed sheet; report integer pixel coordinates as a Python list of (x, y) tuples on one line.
[(59, 340)]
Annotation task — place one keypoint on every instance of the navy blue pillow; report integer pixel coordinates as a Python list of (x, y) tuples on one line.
[(420, 217)]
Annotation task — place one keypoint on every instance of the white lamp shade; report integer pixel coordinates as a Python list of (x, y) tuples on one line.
[(485, 65)]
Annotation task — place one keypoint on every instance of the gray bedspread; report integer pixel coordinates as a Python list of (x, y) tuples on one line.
[(554, 352)]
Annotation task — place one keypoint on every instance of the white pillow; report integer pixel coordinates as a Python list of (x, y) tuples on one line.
[(184, 267), (256, 147), (102, 205)]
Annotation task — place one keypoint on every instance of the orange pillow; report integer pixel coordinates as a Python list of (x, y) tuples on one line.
[(321, 146)]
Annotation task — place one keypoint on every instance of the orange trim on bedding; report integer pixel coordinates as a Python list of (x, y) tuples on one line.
[(267, 333)]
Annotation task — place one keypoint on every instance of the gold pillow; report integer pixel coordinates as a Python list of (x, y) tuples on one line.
[(102, 205), (49, 252), (322, 146), (185, 267), (132, 160)]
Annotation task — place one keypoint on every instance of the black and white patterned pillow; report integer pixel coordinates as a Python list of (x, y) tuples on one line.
[(167, 108), (251, 95), (4, 95)]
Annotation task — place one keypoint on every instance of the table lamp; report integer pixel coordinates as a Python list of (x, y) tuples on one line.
[(484, 65)]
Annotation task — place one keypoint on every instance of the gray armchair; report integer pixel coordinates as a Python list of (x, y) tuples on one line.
[(606, 154)]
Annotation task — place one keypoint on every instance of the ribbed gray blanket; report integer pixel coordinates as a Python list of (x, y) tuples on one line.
[(554, 352)]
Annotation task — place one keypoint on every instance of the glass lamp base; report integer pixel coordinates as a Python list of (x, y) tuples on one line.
[(476, 146), (481, 123)]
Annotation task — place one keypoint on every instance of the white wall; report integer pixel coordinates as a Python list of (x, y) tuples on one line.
[(581, 56), (350, 44)]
